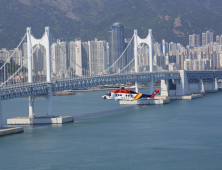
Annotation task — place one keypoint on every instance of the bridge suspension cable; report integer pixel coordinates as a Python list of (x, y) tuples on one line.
[(132, 59), (7, 61), (165, 59), (120, 55), (84, 70), (15, 75), (87, 72)]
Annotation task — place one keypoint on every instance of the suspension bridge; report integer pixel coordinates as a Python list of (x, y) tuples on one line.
[(24, 80)]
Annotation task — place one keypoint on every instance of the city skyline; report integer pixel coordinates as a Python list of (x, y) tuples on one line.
[(95, 57)]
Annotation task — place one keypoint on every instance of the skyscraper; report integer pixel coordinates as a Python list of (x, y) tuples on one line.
[(197, 40), (165, 46), (3, 72), (78, 50), (129, 52), (39, 59), (3, 54), (194, 40), (78, 57), (207, 38), (97, 57), (204, 39), (116, 46), (60, 58), (172, 47), (85, 58), (72, 55)]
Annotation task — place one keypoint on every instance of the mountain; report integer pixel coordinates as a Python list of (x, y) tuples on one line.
[(172, 20)]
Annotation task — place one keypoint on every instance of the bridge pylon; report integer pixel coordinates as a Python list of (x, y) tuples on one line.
[(149, 41), (45, 42)]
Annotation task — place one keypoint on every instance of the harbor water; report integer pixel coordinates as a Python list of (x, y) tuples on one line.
[(184, 134)]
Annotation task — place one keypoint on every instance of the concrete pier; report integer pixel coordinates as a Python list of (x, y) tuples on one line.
[(40, 120), (144, 102), (186, 97), (220, 89), (209, 91), (10, 130)]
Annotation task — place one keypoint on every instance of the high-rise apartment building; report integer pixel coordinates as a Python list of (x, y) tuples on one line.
[(194, 40), (143, 57), (24, 54), (16, 56), (157, 48), (129, 52), (172, 47), (219, 39), (78, 50), (3, 72), (3, 54), (39, 59), (85, 58), (78, 57), (204, 39), (116, 46), (98, 57), (165, 46), (72, 55), (207, 38), (59, 53)]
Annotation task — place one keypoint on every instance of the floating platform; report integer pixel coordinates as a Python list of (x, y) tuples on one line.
[(220, 89), (40, 120), (187, 97), (144, 102), (209, 91), (10, 130)]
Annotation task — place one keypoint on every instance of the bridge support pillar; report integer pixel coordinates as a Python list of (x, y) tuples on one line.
[(199, 86), (182, 85), (164, 87), (202, 85), (178, 87), (215, 84), (31, 106), (151, 85), (49, 101)]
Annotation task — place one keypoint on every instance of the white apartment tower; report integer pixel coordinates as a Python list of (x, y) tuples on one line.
[(98, 56), (60, 58), (78, 51)]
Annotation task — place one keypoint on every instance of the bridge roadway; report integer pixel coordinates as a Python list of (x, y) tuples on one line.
[(28, 89), (199, 75)]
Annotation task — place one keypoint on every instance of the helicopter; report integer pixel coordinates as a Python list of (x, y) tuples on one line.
[(129, 95)]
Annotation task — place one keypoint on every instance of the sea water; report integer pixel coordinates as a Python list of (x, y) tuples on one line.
[(184, 134)]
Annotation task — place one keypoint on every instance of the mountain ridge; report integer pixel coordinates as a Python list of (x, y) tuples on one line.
[(172, 20)]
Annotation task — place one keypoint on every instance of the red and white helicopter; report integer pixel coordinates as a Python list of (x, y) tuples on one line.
[(127, 95)]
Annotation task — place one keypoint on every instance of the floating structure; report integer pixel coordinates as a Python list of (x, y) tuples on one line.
[(144, 102), (40, 120), (209, 91), (186, 97), (10, 130)]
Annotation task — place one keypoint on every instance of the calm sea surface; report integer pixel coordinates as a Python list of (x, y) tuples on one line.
[(185, 134)]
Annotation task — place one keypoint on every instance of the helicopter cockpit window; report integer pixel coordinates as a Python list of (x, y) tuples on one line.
[(108, 94)]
